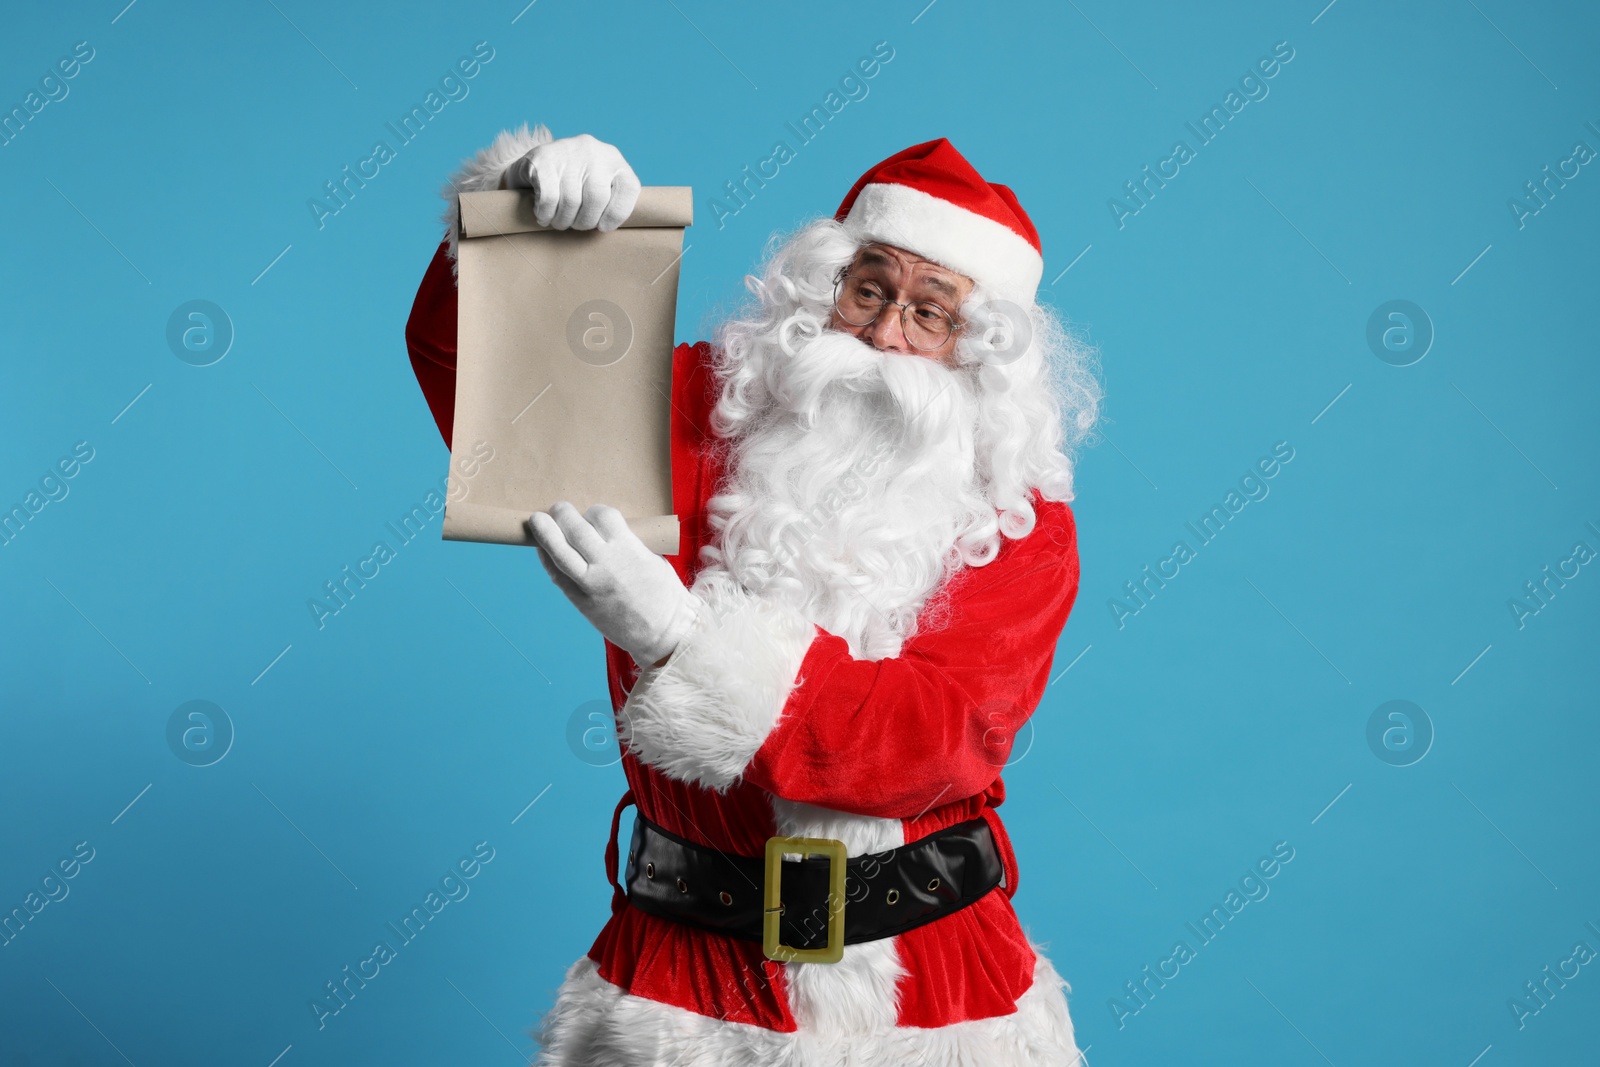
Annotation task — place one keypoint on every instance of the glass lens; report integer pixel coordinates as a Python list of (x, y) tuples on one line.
[(859, 300), (926, 325)]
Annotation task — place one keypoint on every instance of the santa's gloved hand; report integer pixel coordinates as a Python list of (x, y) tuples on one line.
[(578, 183), (630, 594)]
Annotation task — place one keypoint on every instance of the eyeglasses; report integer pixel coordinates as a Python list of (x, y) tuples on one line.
[(859, 301)]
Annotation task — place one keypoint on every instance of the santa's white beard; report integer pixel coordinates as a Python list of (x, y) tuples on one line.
[(857, 493)]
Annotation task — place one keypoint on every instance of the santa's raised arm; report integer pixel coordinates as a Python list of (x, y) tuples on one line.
[(871, 469)]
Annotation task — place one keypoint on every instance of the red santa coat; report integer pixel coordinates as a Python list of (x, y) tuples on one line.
[(767, 724)]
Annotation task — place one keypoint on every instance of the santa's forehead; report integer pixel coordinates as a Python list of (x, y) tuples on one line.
[(879, 253)]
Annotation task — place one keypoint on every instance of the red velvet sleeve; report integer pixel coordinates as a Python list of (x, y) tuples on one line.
[(894, 737), (431, 338)]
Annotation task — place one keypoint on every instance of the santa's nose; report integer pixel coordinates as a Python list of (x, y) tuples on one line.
[(886, 332)]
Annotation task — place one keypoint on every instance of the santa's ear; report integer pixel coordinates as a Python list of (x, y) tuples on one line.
[(483, 171)]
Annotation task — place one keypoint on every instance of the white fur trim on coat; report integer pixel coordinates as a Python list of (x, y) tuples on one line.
[(595, 1024), (990, 253), (702, 716), (483, 171)]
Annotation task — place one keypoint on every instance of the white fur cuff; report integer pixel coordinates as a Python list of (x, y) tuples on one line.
[(483, 171), (703, 715)]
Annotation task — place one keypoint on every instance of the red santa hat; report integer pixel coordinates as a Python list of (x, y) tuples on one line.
[(929, 200)]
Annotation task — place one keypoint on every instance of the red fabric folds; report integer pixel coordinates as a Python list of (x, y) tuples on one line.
[(718, 976), (970, 965), (894, 737)]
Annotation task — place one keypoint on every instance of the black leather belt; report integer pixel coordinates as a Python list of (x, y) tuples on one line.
[(883, 893)]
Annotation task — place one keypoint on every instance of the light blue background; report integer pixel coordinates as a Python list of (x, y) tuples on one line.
[(1223, 718)]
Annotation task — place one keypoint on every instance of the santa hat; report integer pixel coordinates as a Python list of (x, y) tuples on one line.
[(929, 200)]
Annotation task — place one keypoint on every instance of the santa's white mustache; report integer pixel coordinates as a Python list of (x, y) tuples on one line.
[(921, 395)]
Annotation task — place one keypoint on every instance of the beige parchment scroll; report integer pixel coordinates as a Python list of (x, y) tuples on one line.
[(564, 367)]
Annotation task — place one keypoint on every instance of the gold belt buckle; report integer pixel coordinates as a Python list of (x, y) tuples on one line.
[(772, 903)]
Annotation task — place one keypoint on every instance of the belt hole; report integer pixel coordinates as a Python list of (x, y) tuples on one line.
[(892, 896), (650, 870), (933, 885), (726, 898), (683, 887)]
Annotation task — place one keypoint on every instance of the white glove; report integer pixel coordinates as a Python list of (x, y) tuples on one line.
[(579, 183), (630, 594)]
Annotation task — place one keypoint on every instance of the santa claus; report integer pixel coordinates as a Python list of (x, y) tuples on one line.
[(817, 695)]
